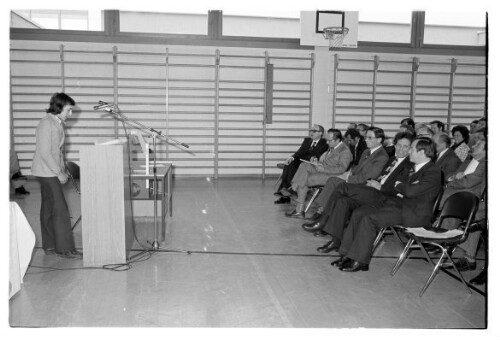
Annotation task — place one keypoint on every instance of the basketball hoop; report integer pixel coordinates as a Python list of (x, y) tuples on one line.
[(335, 35)]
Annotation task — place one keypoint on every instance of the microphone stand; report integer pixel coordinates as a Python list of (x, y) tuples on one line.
[(113, 109)]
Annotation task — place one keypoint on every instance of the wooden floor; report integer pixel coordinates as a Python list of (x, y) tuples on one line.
[(248, 266)]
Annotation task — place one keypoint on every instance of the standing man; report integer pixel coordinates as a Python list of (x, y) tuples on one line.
[(48, 168), (313, 146), (412, 207), (333, 162)]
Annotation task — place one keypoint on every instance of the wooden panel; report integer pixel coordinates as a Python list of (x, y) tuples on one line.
[(106, 204)]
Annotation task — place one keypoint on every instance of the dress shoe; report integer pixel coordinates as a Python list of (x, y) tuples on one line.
[(313, 226), (70, 254), (50, 251), (316, 216), (354, 266), (341, 262), (320, 233), (21, 191), (480, 279), (295, 214), (463, 265), (330, 246), (282, 200)]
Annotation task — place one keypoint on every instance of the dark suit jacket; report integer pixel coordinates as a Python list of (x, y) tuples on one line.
[(399, 174), (370, 166), (356, 154), (448, 163), (305, 151), (419, 193)]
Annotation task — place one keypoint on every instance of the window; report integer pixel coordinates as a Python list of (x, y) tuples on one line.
[(455, 28), (166, 23), (392, 27), (57, 19)]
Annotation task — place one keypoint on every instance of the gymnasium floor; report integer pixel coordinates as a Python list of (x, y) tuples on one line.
[(249, 267)]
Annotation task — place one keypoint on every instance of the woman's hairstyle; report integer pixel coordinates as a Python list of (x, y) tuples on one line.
[(463, 131), (58, 102)]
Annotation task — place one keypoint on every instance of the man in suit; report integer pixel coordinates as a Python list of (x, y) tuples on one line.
[(313, 146), (470, 177), (348, 197), (356, 143), (333, 162), (437, 127), (370, 166), (447, 160), (412, 207)]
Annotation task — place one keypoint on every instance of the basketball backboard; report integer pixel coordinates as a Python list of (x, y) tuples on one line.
[(312, 24)]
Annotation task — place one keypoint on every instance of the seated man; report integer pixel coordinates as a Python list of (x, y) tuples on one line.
[(412, 207), (470, 177), (313, 146), (333, 162), (437, 127), (447, 160), (362, 128), (348, 196), (356, 144), (370, 166)]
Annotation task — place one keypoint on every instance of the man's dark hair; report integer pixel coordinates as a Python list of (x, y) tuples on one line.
[(444, 138), (336, 134), (475, 121), (379, 133), (426, 144), (439, 123), (363, 127), (463, 131), (353, 133), (58, 102), (408, 121), (404, 135)]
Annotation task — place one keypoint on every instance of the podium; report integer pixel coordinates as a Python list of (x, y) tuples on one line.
[(107, 229)]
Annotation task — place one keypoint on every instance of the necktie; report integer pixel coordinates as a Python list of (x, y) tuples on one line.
[(388, 170), (313, 145)]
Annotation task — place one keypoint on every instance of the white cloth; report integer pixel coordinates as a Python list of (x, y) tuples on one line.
[(22, 243), (471, 167)]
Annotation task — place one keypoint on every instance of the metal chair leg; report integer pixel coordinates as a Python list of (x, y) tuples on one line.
[(378, 239), (395, 232), (315, 194), (433, 274), (278, 183), (459, 274), (402, 257)]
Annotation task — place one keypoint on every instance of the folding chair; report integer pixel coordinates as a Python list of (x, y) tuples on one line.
[(316, 191), (278, 182), (461, 205), (394, 228)]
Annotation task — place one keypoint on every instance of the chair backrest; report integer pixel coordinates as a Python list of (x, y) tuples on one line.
[(461, 205), (435, 209)]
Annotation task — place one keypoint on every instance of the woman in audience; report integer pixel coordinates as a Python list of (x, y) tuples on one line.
[(461, 135)]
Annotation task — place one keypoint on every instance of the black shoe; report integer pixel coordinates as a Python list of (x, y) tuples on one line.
[(295, 214), (313, 226), (480, 279), (70, 254), (463, 265), (354, 266), (18, 176), (315, 217), (320, 233), (341, 262), (21, 191), (282, 200), (330, 246)]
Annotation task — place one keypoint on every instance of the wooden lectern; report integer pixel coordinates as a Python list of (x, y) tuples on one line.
[(107, 230)]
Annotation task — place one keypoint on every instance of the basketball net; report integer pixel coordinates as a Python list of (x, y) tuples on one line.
[(335, 36)]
